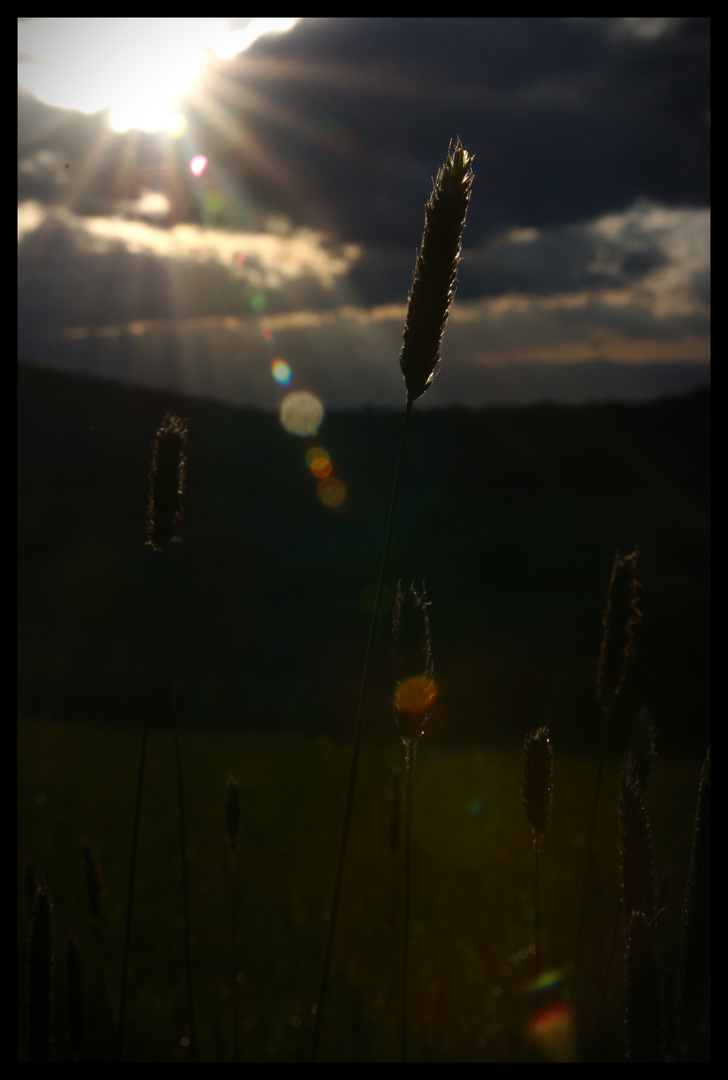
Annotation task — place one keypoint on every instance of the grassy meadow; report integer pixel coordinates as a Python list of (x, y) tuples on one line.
[(453, 943), (472, 895)]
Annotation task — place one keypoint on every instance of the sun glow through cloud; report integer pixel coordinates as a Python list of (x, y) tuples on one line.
[(139, 69)]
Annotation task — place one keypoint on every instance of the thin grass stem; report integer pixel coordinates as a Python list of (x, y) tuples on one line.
[(121, 1029), (410, 770), (356, 751), (183, 856), (235, 963), (588, 861)]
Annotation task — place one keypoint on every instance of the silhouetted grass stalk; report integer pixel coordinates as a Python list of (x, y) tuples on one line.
[(641, 758), (433, 289), (617, 650), (410, 772), (232, 825), (644, 1029), (536, 792), (415, 693), (693, 992), (40, 977), (167, 484)]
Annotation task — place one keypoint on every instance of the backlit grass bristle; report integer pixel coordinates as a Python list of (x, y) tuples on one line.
[(433, 287), (620, 618), (537, 781), (168, 479)]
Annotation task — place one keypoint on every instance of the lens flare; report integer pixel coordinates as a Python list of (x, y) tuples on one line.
[(281, 372), (198, 164), (416, 695), (319, 462), (331, 491), (301, 413), (545, 980), (176, 125), (314, 453), (552, 1029)]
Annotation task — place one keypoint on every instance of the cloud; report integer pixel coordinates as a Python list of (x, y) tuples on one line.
[(587, 237)]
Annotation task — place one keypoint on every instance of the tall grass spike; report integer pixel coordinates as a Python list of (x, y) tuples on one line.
[(620, 618), (168, 480), (537, 781), (433, 287)]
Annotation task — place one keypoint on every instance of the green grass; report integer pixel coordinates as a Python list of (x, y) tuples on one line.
[(472, 891)]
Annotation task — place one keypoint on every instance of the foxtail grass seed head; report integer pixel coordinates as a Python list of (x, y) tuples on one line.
[(40, 976), (433, 287), (635, 848), (232, 812), (415, 690), (537, 781), (168, 479), (620, 618), (642, 746)]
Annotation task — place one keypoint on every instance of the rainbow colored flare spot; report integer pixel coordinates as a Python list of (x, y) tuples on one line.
[(552, 1029), (281, 371)]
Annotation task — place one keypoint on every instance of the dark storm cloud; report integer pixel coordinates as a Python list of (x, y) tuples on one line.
[(568, 119)]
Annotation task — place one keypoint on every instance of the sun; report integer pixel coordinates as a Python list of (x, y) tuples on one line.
[(140, 69)]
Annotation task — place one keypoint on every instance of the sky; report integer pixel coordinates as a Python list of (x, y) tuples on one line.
[(232, 208)]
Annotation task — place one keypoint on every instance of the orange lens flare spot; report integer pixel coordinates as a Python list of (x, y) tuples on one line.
[(321, 468), (331, 491), (416, 695)]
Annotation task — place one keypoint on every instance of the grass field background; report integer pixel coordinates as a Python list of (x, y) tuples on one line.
[(472, 881), (512, 518)]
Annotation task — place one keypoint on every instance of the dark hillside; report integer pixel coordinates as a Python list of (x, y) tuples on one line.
[(511, 516)]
